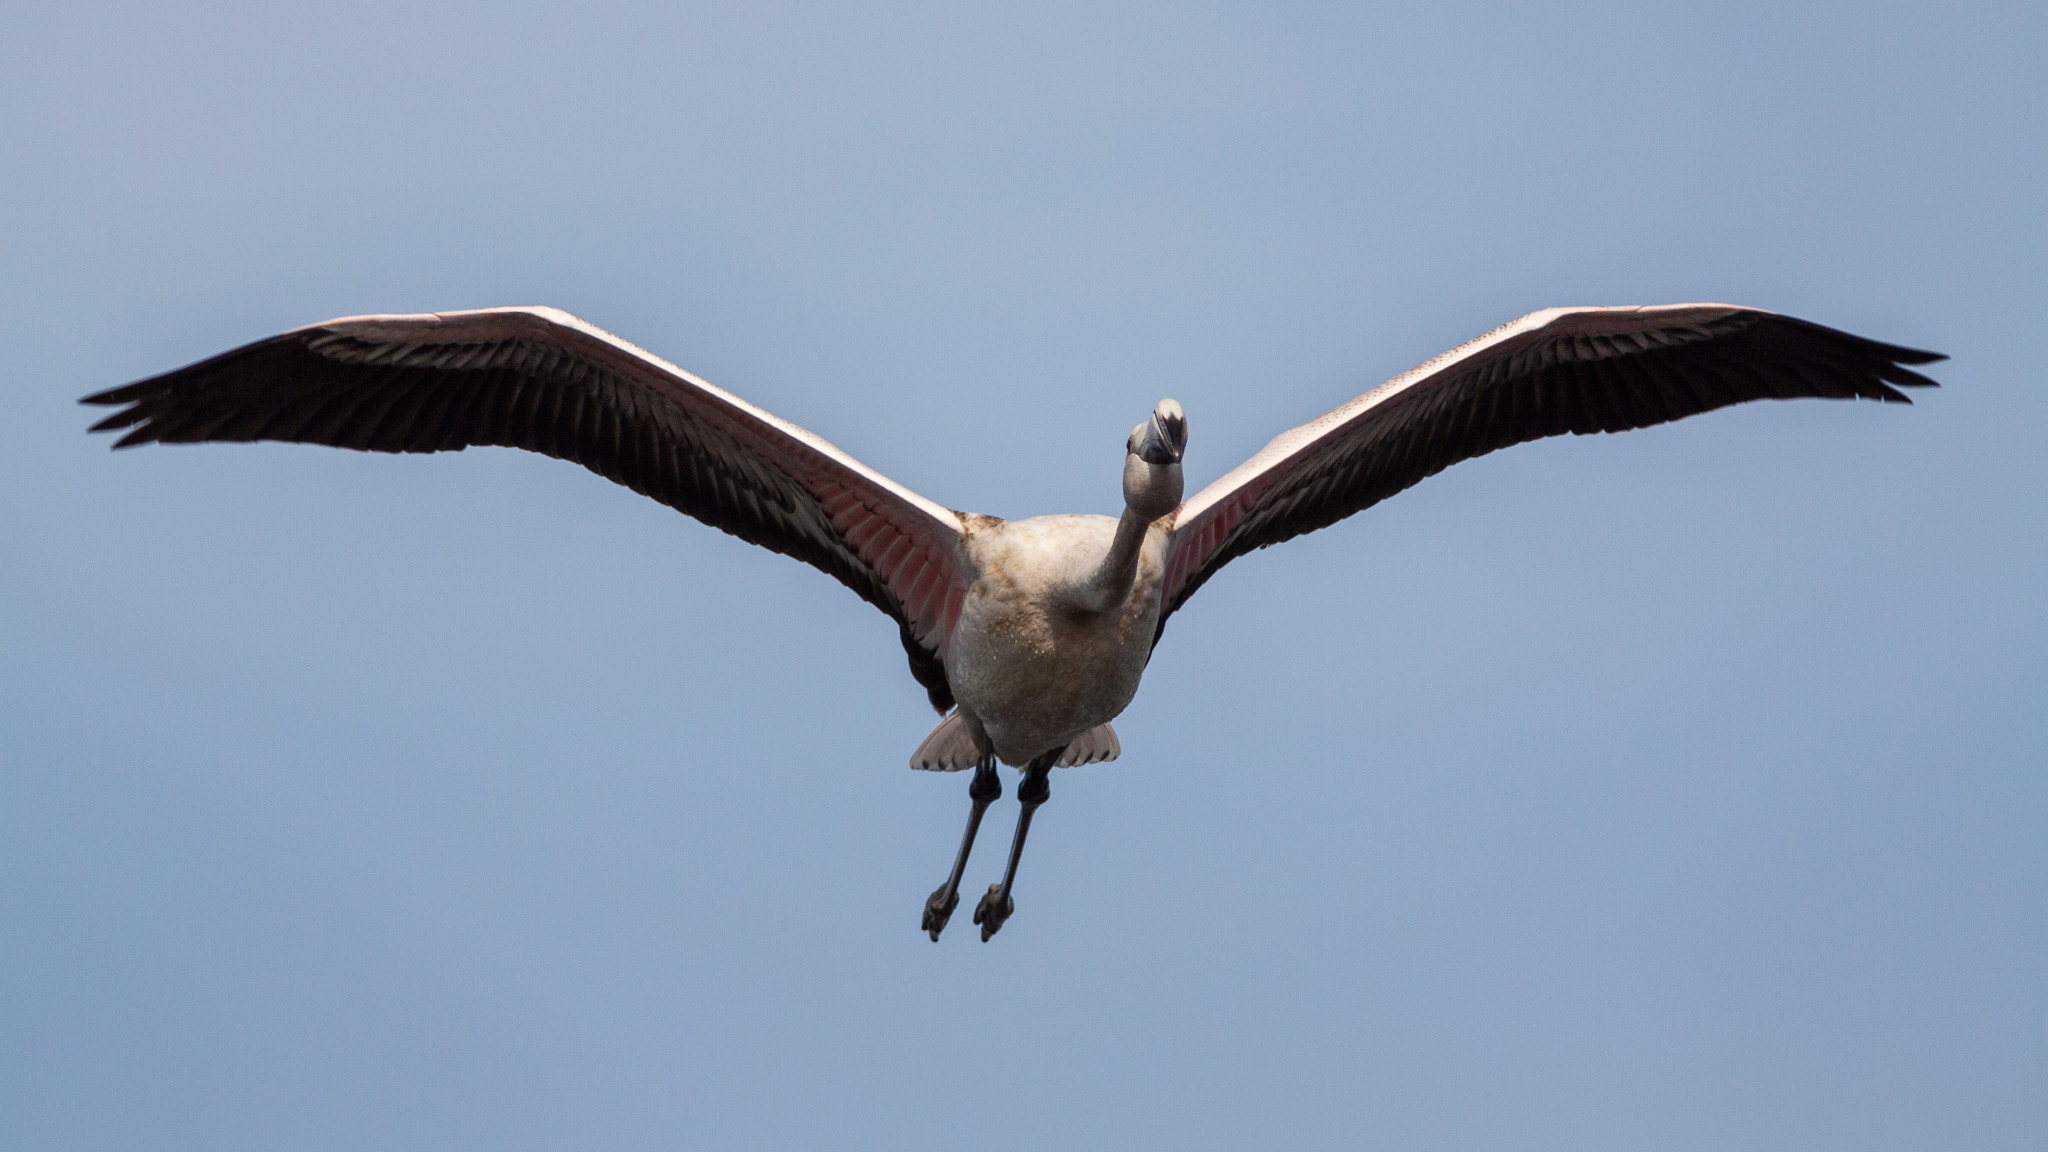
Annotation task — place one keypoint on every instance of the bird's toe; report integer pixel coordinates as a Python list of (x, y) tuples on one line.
[(939, 909), (994, 908)]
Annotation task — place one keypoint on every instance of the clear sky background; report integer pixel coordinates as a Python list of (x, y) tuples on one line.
[(1680, 789)]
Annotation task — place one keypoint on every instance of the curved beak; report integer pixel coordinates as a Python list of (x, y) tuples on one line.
[(1164, 438)]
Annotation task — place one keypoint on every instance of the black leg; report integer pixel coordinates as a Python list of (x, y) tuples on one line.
[(996, 906), (985, 789)]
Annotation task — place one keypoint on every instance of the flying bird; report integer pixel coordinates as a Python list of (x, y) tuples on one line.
[(1028, 636)]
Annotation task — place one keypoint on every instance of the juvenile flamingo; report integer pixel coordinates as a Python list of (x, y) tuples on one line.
[(1029, 636)]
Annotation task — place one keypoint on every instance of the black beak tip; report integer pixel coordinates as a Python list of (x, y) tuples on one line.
[(1161, 440)]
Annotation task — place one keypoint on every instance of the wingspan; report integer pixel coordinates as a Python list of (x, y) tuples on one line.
[(1560, 370), (543, 380)]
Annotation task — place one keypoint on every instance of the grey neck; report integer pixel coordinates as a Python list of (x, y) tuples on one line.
[(1110, 584), (1150, 491)]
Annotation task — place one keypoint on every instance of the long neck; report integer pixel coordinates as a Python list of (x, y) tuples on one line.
[(1110, 584)]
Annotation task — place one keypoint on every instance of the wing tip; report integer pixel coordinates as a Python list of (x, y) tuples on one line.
[(1897, 354), (131, 398), (107, 398)]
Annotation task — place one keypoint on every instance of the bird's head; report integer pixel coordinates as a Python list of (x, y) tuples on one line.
[(1162, 439), (1152, 481)]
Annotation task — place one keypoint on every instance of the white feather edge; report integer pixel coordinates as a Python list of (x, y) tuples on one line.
[(1593, 320), (484, 324)]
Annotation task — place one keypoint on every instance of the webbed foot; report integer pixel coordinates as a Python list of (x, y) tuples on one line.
[(939, 909), (996, 906)]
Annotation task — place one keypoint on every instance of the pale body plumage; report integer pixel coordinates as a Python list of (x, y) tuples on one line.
[(1031, 660), (1038, 630)]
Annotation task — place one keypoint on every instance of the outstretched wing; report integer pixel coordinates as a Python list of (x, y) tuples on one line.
[(1559, 370), (543, 380)]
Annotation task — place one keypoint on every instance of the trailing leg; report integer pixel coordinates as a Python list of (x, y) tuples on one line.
[(996, 906), (984, 790)]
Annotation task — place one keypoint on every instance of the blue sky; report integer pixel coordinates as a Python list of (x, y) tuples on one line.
[(1679, 789)]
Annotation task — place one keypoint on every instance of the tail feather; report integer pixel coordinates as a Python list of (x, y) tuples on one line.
[(1096, 744), (954, 746), (949, 748)]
